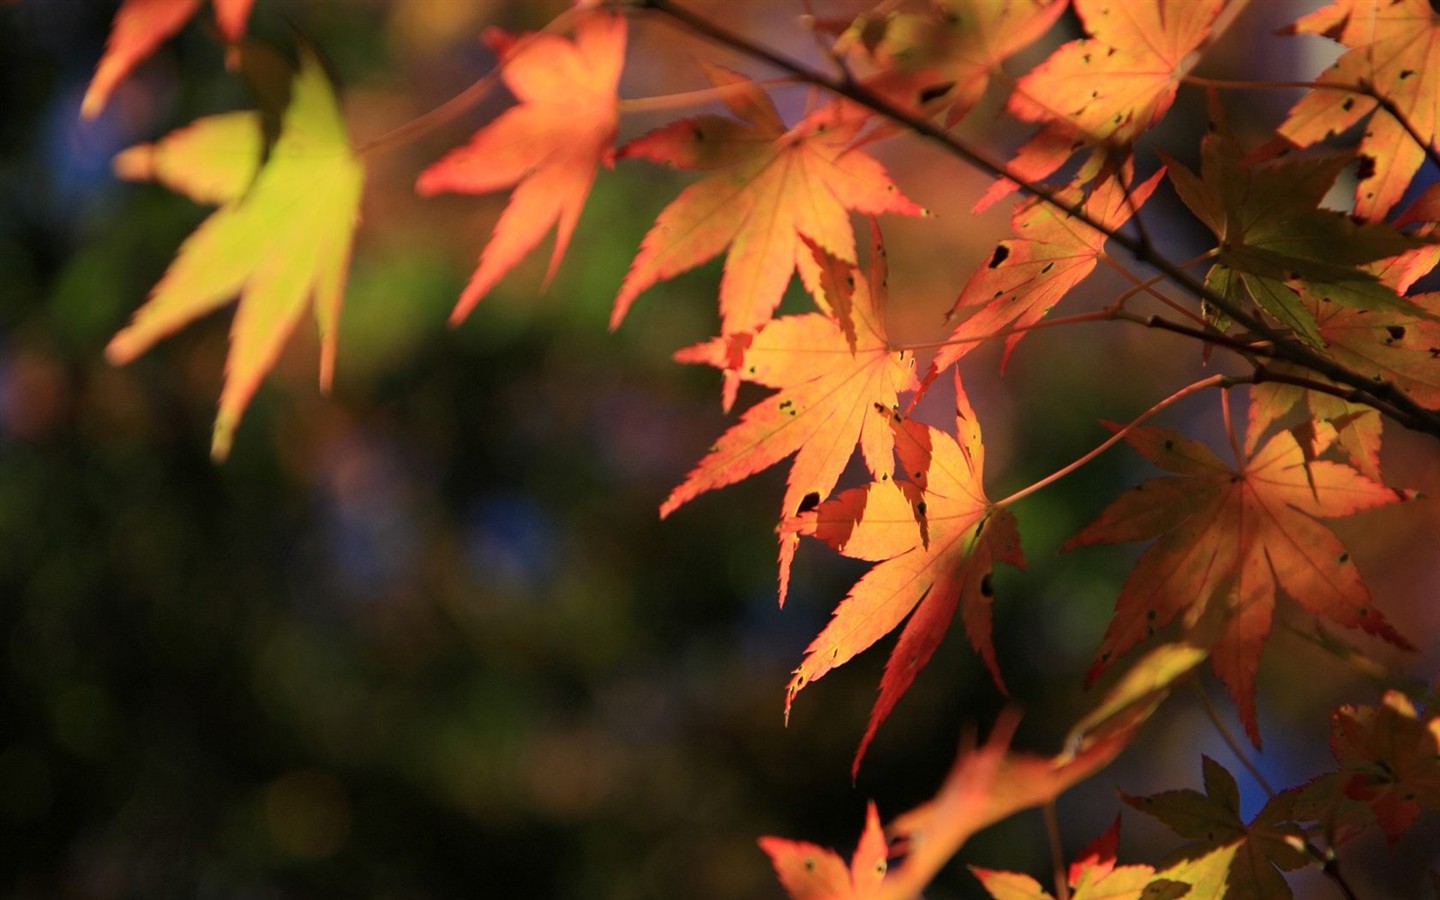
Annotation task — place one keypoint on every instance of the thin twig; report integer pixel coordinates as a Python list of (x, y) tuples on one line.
[(1196, 387), (1228, 737)]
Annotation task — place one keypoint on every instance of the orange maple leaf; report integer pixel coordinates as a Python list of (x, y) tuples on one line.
[(811, 872), (274, 251), (1027, 275), (772, 186), (1395, 51), (936, 538), (1235, 537), (1109, 88), (548, 146), (831, 372), (140, 26)]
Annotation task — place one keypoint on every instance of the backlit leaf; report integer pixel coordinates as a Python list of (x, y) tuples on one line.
[(1395, 51), (771, 187), (547, 147), (283, 241), (1236, 537)]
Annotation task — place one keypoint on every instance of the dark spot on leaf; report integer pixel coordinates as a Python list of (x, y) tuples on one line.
[(1366, 168), (921, 507), (935, 92), (809, 863), (919, 474), (986, 588), (1001, 252), (1150, 615), (1046, 268), (1169, 444), (808, 502), (1406, 73), (1344, 558), (1396, 332), (1347, 104)]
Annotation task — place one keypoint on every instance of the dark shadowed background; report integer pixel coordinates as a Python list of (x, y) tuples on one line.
[(426, 638)]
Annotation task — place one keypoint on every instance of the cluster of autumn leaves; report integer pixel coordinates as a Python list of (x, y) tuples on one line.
[(777, 199)]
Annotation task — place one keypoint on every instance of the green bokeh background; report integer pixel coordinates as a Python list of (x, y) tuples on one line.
[(426, 638)]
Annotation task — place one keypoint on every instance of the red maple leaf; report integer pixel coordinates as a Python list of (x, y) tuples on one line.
[(1109, 88), (1395, 52), (1389, 758), (548, 146), (141, 26), (831, 373), (1236, 537), (771, 186), (936, 538)]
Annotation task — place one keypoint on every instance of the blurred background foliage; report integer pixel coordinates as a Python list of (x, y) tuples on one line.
[(426, 638)]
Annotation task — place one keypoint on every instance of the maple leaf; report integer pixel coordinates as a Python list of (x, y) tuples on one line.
[(1257, 851), (1234, 537), (944, 57), (1275, 243), (1389, 768), (1109, 88), (811, 872), (831, 373), (936, 538), (1027, 275), (548, 146), (140, 27), (1092, 876), (275, 241), (1395, 52), (770, 186)]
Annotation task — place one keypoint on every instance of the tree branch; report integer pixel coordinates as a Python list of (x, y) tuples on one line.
[(1383, 396)]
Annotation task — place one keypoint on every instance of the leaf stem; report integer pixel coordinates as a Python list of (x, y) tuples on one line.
[(1057, 852), (697, 97), (1230, 427), (1196, 387), (1228, 737), (457, 105)]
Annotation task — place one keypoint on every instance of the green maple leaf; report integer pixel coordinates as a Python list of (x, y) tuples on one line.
[(1277, 247), (281, 235), (1267, 844)]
